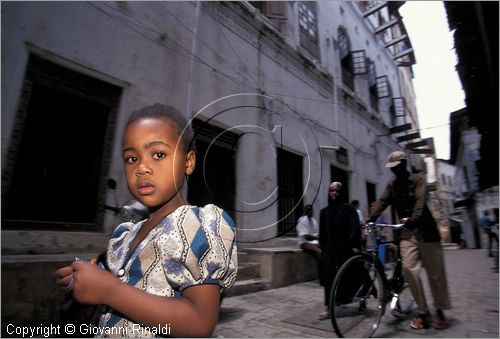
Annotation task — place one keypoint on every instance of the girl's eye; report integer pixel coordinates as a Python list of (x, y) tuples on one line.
[(130, 160), (159, 155)]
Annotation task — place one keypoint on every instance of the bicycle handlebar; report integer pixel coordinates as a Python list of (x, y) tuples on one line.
[(387, 225), (374, 227)]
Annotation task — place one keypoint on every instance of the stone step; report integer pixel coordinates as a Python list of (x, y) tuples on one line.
[(246, 286), (242, 256), (283, 241), (248, 270), (450, 246)]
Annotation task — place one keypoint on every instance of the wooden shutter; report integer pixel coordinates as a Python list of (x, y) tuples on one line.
[(383, 89), (275, 9), (359, 64)]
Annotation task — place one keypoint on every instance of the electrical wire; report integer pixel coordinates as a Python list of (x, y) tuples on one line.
[(163, 36), (159, 37)]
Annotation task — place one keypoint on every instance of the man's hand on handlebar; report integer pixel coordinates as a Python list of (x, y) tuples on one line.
[(404, 221)]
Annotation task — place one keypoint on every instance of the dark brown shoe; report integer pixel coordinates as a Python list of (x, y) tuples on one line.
[(440, 323)]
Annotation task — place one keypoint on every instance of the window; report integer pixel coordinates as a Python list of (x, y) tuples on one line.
[(383, 87), (59, 150), (443, 179), (290, 189), (397, 110), (359, 62), (271, 9), (342, 156), (362, 5), (392, 115), (372, 86), (399, 105), (308, 25), (345, 59)]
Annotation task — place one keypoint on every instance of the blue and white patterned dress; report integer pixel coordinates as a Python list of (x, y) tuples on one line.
[(191, 246)]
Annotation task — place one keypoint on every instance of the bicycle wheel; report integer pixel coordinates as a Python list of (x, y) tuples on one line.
[(357, 297)]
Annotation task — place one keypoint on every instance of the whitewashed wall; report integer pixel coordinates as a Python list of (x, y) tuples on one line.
[(148, 48)]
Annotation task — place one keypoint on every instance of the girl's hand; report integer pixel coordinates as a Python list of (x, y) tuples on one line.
[(64, 275), (91, 284)]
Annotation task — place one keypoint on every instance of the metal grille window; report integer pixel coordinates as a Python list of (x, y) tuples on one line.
[(290, 191), (345, 59), (383, 87), (308, 23), (397, 110), (399, 106), (359, 63)]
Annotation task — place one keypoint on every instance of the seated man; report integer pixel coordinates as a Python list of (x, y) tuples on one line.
[(307, 232)]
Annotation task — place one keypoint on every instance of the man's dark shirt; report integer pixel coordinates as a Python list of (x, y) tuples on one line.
[(409, 197), (339, 233)]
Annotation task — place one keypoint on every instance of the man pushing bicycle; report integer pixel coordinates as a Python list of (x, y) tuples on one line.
[(419, 240)]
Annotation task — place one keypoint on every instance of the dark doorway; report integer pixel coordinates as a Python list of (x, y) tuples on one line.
[(59, 150), (212, 181), (337, 174), (371, 195), (290, 191)]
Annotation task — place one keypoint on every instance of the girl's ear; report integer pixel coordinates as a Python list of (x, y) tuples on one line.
[(190, 162)]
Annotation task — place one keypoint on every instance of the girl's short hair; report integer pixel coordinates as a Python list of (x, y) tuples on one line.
[(171, 114)]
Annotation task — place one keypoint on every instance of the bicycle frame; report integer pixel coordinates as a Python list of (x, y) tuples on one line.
[(395, 283)]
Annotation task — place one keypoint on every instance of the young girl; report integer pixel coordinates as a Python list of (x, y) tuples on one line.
[(165, 272)]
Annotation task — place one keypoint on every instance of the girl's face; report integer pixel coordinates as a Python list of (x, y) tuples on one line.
[(155, 164)]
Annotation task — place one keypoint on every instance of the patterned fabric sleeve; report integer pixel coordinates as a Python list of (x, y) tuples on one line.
[(210, 256), (117, 247)]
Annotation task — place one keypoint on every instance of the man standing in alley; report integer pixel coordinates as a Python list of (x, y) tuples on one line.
[(339, 238), (355, 204), (419, 240), (486, 223)]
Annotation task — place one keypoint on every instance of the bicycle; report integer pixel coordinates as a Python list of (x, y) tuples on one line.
[(361, 289)]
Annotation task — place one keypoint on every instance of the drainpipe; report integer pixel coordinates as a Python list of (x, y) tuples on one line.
[(191, 59)]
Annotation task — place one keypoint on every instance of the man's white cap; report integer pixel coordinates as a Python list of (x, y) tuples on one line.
[(395, 158)]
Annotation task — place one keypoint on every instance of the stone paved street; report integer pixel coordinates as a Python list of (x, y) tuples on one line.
[(291, 311)]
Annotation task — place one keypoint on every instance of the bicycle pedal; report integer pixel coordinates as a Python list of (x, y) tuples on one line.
[(394, 301), (362, 307), (398, 314)]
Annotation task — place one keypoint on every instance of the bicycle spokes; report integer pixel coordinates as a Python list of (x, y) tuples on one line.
[(357, 299)]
